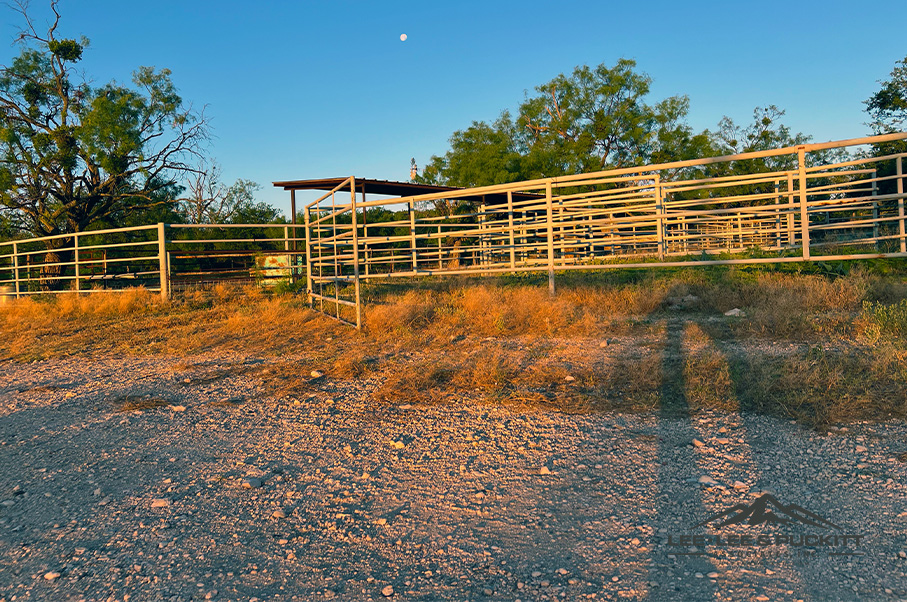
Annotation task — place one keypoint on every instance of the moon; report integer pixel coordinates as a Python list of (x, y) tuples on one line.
[(402, 37)]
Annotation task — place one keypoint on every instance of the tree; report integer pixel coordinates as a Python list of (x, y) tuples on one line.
[(888, 110), (211, 202), (73, 155), (888, 106), (593, 119)]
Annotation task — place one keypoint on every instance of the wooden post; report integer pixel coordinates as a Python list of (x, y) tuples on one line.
[(308, 260), (75, 244), (549, 214), (355, 214), (900, 172), (510, 229), (16, 264), (162, 261), (804, 210), (412, 234)]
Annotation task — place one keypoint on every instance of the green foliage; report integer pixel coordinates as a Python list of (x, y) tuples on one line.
[(599, 118), (886, 320), (73, 155), (888, 106)]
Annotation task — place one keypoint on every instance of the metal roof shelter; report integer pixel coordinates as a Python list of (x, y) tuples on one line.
[(387, 187)]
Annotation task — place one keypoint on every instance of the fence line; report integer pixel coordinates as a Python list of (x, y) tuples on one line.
[(646, 216), (774, 206)]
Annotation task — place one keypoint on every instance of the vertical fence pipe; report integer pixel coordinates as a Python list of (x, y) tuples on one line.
[(777, 215), (412, 233), (16, 265), (286, 238), (162, 261), (791, 237), (293, 215), (510, 229), (336, 245), (309, 290), (75, 245), (804, 211), (875, 207), (549, 220), (353, 211), (900, 172), (440, 249), (659, 218)]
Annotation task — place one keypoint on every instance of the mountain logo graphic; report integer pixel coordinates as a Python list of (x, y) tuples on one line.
[(767, 509)]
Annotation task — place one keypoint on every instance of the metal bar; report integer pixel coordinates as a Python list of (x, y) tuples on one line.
[(875, 205), (659, 217), (355, 214), (292, 217), (510, 228), (899, 170), (162, 259), (76, 248), (549, 207), (16, 266), (412, 232), (804, 216)]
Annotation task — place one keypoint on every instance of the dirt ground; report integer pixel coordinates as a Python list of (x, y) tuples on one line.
[(163, 478)]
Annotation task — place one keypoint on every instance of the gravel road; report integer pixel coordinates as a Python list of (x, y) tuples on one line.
[(210, 490)]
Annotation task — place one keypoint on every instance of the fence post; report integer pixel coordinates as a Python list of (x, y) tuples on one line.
[(659, 219), (353, 210), (440, 248), (900, 172), (162, 261), (875, 208), (549, 214), (510, 229), (777, 216), (804, 213), (75, 245), (412, 233), (16, 265), (308, 258), (791, 235)]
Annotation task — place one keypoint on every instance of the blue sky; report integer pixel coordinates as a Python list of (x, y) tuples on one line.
[(317, 89)]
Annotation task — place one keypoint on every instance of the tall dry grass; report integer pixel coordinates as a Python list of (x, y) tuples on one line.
[(510, 342)]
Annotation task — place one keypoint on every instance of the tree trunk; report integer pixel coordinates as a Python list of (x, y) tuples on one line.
[(51, 274)]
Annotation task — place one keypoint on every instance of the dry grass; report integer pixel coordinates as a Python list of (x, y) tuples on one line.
[(139, 403), (508, 342)]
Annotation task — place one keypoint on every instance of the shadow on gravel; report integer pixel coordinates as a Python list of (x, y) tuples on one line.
[(675, 504)]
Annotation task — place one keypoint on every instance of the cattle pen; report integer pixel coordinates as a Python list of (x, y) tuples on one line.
[(828, 201)]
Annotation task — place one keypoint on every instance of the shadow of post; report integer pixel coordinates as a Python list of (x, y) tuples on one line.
[(678, 499)]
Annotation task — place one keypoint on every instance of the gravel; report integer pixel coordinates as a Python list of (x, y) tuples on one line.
[(244, 497)]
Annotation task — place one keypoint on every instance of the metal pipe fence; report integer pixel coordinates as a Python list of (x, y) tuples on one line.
[(784, 205), (806, 203), (162, 258)]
